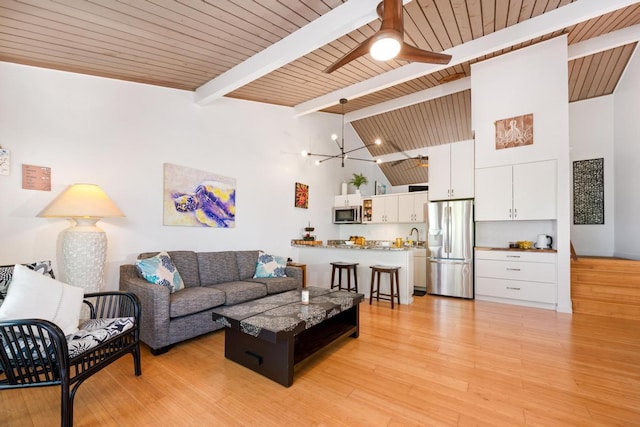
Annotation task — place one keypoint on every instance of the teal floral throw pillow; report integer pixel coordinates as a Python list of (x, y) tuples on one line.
[(160, 270), (270, 266)]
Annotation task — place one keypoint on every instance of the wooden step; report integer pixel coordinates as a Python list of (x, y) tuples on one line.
[(606, 287)]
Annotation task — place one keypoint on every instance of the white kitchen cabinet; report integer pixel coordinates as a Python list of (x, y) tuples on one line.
[(516, 277), (384, 209), (451, 171), (411, 206), (420, 267), (516, 192), (346, 200)]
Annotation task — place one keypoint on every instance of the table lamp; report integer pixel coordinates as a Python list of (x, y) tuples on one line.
[(84, 245)]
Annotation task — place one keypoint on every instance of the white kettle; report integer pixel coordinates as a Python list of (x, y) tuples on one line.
[(543, 242)]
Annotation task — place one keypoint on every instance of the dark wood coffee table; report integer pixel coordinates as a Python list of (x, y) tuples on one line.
[(271, 335)]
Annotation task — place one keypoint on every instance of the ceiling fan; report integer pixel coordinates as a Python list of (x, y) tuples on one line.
[(388, 42), (419, 160)]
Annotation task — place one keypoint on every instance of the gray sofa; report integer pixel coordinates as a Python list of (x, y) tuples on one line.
[(211, 279)]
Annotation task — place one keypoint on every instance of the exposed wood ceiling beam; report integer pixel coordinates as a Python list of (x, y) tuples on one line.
[(411, 99), (555, 20), (605, 42), (340, 21)]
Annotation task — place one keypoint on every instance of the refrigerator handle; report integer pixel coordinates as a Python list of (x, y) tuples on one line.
[(447, 232)]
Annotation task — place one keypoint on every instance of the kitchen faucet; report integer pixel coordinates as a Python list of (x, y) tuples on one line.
[(417, 233)]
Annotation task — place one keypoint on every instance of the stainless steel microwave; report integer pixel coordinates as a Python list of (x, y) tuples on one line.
[(347, 215)]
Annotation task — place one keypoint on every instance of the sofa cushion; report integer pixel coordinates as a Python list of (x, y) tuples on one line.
[(276, 285), (186, 262), (217, 267), (270, 266), (160, 270), (238, 292), (247, 263), (194, 299)]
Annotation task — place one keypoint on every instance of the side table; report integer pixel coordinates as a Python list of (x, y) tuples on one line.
[(304, 271)]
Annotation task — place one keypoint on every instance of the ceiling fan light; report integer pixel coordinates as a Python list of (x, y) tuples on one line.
[(317, 162), (304, 153), (334, 137), (385, 48), (377, 141), (378, 161)]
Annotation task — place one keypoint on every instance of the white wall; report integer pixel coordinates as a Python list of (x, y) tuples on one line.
[(530, 80), (118, 135), (591, 137), (627, 161)]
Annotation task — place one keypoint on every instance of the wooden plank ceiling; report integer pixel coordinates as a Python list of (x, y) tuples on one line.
[(184, 44)]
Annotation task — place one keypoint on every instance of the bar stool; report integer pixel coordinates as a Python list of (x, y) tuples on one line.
[(350, 267), (393, 274)]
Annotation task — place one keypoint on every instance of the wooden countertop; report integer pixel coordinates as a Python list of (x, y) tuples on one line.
[(488, 248)]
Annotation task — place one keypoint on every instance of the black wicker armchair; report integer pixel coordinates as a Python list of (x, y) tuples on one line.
[(35, 352)]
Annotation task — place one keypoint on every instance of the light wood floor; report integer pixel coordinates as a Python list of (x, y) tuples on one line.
[(440, 361)]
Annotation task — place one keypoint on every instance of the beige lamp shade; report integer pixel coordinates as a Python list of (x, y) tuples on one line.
[(81, 201)]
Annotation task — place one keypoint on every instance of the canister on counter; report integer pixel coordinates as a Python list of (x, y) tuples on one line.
[(398, 242)]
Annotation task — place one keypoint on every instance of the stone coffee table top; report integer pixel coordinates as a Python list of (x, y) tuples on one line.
[(277, 316)]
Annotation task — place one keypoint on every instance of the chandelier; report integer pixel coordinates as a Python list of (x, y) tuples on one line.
[(342, 155)]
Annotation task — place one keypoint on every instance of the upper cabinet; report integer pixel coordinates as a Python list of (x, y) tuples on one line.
[(346, 200), (517, 192), (451, 171), (384, 209), (411, 206)]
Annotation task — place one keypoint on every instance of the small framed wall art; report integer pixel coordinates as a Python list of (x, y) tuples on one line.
[(302, 196), (514, 132), (36, 178), (5, 161)]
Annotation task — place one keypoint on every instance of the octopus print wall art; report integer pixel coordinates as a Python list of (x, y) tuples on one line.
[(197, 198), (514, 132)]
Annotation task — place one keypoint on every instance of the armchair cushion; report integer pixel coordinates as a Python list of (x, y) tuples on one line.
[(34, 296), (94, 332)]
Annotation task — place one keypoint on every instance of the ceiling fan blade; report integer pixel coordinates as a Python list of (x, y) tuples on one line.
[(397, 162), (357, 52), (413, 54)]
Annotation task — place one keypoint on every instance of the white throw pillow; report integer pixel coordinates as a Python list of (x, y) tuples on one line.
[(34, 296)]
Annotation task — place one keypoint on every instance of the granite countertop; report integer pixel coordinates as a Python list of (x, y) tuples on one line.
[(357, 247), (489, 248)]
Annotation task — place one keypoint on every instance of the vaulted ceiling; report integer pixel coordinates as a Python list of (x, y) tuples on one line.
[(275, 51)]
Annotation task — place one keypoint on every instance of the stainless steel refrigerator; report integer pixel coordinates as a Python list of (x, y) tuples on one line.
[(450, 248)]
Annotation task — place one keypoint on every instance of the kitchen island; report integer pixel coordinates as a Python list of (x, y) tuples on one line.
[(318, 259)]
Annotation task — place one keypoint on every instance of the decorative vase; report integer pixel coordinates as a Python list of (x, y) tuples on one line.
[(357, 191), (344, 188)]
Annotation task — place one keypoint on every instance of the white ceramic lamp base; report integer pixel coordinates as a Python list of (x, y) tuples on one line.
[(84, 252)]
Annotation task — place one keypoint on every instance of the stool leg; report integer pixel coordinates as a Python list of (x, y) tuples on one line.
[(391, 287), (398, 286), (340, 279), (355, 277), (373, 275), (333, 275), (378, 287), (348, 279)]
